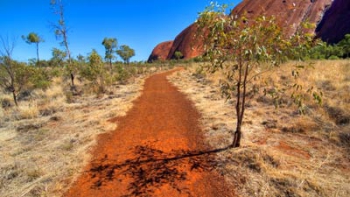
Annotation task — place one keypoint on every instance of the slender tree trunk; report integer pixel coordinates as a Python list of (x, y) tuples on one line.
[(12, 85), (241, 87), (15, 97), (237, 134), (72, 79), (37, 53), (63, 31), (111, 66)]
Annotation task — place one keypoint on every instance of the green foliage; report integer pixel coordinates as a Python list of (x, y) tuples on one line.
[(345, 45), (198, 59), (61, 32), (54, 72), (333, 57), (325, 51), (60, 27), (110, 45), (81, 59), (58, 57), (14, 76), (244, 49), (34, 38), (125, 52), (298, 91), (331, 51), (178, 55), (94, 71), (122, 74), (40, 78)]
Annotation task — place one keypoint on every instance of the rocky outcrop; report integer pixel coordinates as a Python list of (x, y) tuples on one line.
[(288, 13), (335, 23), (187, 43), (161, 51)]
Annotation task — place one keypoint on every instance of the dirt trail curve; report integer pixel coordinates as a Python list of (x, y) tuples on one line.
[(150, 152)]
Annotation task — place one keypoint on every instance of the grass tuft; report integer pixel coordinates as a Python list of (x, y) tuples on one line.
[(29, 111)]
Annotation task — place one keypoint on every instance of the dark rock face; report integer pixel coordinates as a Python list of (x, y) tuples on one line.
[(187, 43), (161, 51), (288, 13), (335, 23)]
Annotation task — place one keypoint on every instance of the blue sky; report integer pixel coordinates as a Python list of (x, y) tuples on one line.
[(141, 24)]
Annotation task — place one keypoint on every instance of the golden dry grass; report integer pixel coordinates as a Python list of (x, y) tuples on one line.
[(282, 153), (45, 142)]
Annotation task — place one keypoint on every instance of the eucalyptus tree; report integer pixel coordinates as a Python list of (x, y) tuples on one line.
[(244, 49), (125, 52), (34, 38), (58, 57), (110, 45), (13, 75), (178, 55), (345, 45), (94, 71), (61, 33)]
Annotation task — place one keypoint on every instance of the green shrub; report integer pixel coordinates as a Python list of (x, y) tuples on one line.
[(122, 74), (333, 57), (40, 78)]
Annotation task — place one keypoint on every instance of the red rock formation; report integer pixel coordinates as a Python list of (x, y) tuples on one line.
[(161, 51), (289, 13), (335, 23), (187, 43)]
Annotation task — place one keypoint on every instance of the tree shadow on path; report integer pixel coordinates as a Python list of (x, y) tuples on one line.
[(150, 169)]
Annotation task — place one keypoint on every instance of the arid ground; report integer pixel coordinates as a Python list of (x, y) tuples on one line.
[(155, 151), (148, 139)]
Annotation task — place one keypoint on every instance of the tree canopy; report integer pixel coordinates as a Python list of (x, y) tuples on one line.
[(125, 52), (110, 45), (34, 38), (243, 49)]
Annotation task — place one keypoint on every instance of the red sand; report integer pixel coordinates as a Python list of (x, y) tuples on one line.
[(148, 154)]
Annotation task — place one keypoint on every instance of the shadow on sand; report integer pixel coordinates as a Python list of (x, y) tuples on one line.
[(152, 168)]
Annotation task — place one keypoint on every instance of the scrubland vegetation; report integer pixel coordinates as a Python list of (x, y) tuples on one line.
[(53, 110), (283, 111), (46, 141), (283, 152)]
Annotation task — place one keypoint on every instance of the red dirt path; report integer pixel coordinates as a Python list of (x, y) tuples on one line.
[(151, 151)]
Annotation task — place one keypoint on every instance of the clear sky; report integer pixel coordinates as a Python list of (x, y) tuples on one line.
[(141, 24)]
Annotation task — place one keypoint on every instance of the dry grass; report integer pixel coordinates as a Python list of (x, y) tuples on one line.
[(282, 152), (45, 143)]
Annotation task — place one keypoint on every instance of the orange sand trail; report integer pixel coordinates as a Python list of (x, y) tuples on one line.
[(149, 154)]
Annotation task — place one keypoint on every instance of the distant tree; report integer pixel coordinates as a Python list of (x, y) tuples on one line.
[(110, 45), (178, 55), (345, 45), (323, 50), (61, 32), (94, 71), (32, 61), (125, 52), (58, 57), (36, 39), (81, 59), (243, 49), (13, 75)]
